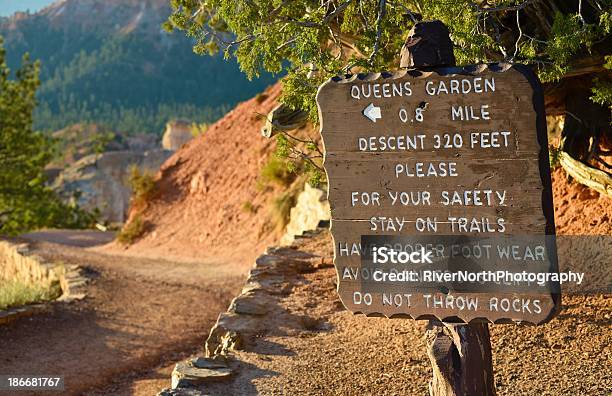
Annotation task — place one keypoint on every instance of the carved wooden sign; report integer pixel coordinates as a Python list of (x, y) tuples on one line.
[(427, 158)]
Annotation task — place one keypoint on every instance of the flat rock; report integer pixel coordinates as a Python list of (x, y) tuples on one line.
[(208, 363), (269, 285), (181, 392), (186, 374), (249, 305), (268, 261)]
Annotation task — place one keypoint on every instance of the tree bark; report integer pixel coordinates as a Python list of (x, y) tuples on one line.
[(588, 176), (461, 359)]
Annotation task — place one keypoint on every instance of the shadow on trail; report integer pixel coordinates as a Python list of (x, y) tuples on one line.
[(76, 238), (55, 343)]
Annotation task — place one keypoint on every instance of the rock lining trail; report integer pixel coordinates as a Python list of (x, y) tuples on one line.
[(139, 314)]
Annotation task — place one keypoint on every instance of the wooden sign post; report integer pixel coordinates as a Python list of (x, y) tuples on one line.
[(432, 152)]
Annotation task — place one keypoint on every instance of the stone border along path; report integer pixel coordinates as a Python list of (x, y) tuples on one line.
[(72, 278), (271, 278)]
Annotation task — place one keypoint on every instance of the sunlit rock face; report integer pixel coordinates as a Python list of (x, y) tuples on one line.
[(101, 180), (176, 134), (311, 208)]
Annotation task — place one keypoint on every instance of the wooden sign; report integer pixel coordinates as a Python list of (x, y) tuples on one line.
[(440, 153)]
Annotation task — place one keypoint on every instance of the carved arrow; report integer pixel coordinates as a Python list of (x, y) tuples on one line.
[(372, 112)]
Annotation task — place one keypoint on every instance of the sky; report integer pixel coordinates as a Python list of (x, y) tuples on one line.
[(9, 7)]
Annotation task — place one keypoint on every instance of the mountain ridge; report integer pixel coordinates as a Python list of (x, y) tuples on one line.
[(12, 7), (110, 62)]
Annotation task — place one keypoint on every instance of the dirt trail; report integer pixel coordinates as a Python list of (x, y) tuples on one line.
[(139, 314)]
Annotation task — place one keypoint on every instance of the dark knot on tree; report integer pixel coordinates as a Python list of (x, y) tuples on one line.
[(428, 44)]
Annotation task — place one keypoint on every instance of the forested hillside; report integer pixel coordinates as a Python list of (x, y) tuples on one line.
[(109, 62)]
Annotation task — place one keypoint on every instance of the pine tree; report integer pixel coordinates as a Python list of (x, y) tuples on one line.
[(25, 202)]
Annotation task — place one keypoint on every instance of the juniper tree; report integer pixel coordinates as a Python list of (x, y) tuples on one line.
[(312, 40)]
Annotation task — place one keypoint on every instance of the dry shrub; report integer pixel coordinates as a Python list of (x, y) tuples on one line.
[(275, 172), (142, 183), (261, 97), (131, 231), (16, 293), (248, 207)]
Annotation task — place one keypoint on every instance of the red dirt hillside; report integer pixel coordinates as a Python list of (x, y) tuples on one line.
[(208, 202), (579, 210)]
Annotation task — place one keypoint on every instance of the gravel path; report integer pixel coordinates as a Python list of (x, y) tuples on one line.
[(139, 314)]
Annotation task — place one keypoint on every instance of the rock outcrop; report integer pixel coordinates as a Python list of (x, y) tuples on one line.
[(312, 208), (199, 371), (100, 180), (176, 135)]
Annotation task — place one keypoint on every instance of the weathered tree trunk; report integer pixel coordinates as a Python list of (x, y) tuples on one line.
[(461, 359), (586, 125), (460, 354), (593, 178)]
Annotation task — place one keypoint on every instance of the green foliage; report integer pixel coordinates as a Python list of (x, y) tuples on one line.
[(312, 41), (25, 202), (554, 156), (101, 141), (16, 293), (569, 34), (131, 231), (602, 88), (143, 186), (198, 129), (300, 157), (315, 175), (141, 119)]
